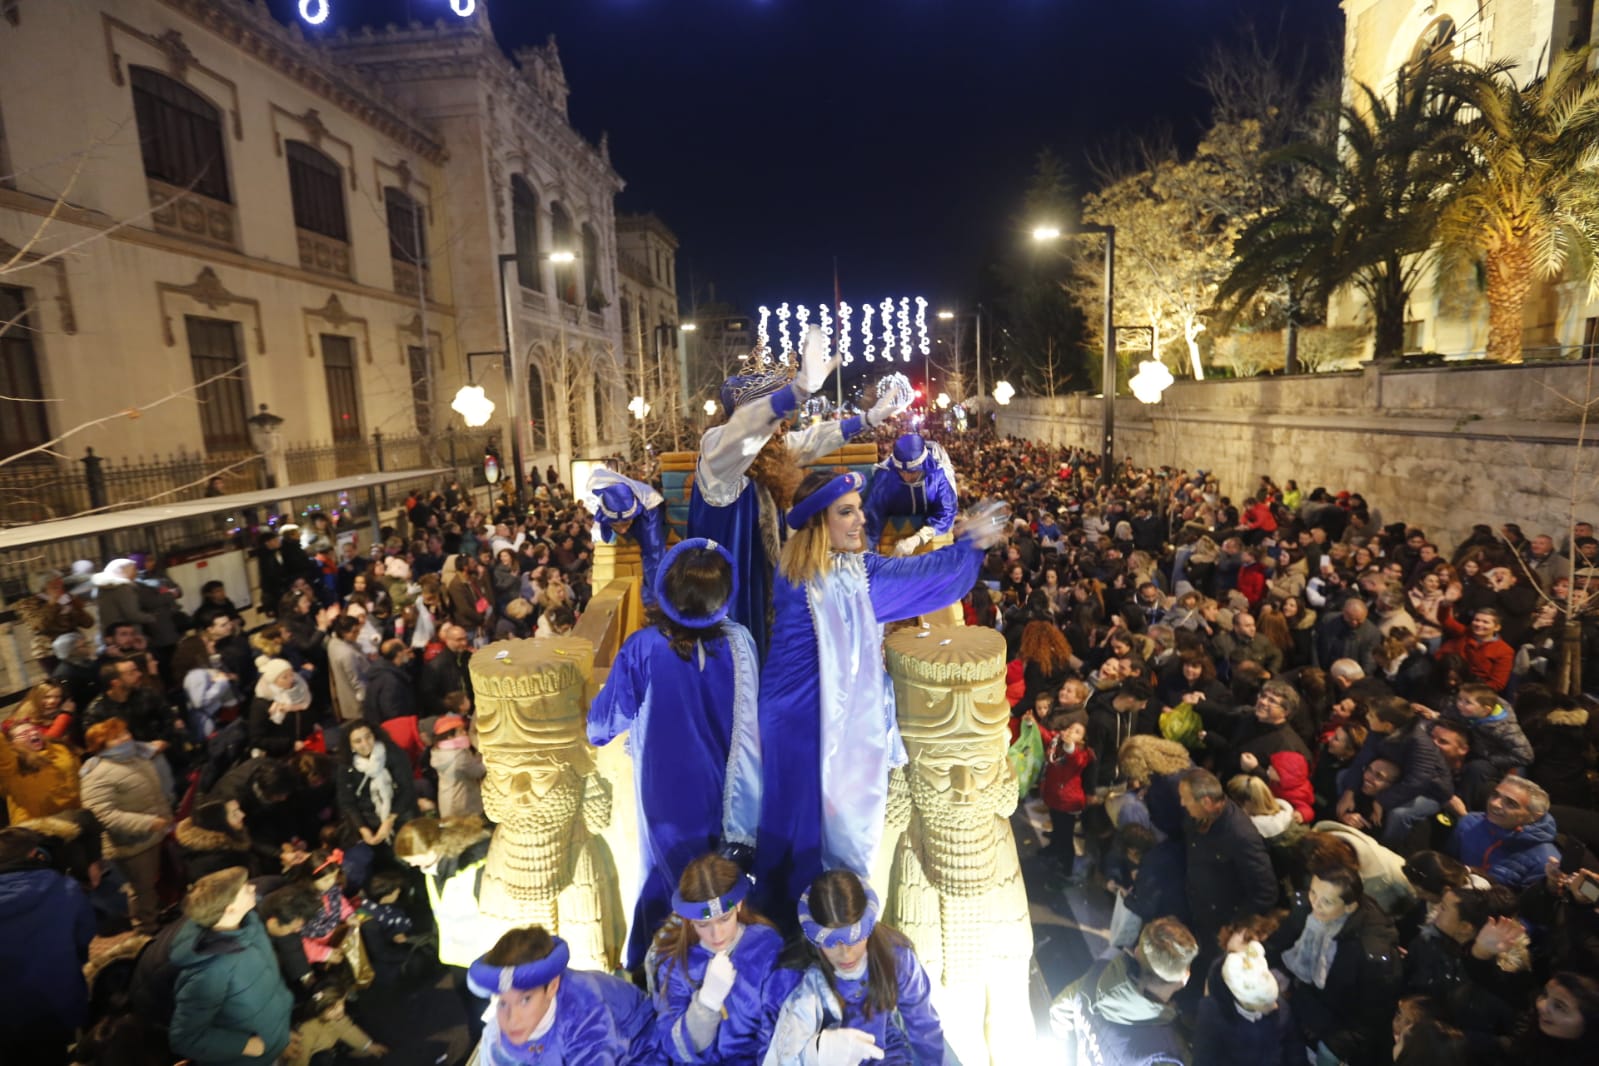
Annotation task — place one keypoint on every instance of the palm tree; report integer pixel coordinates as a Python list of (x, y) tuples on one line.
[(1365, 210), (1527, 205)]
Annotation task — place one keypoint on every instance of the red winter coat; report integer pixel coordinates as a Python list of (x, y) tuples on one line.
[(1063, 781), (1488, 662), (1293, 784)]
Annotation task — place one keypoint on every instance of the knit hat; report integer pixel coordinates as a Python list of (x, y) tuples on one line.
[(1249, 979), (66, 644)]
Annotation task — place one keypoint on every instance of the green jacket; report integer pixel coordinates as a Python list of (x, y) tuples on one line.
[(228, 989)]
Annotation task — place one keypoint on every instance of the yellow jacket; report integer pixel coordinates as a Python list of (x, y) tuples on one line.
[(49, 789)]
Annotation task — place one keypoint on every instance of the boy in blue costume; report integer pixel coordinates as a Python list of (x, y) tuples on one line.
[(546, 1015), (631, 509), (747, 469), (917, 480), (686, 689)]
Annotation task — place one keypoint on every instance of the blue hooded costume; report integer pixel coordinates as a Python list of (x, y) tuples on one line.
[(931, 498), (695, 746), (624, 500), (728, 507), (599, 1020)]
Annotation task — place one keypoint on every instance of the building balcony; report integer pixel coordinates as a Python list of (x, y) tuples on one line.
[(323, 254), (181, 212), (409, 279)]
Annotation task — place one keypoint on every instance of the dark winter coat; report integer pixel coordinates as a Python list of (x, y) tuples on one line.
[(1560, 760), (355, 797), (206, 851), (46, 924), (1229, 872), (445, 674), (1423, 771), (1353, 1012), (1263, 741), (1223, 1037), (390, 693), (277, 738), (227, 989)]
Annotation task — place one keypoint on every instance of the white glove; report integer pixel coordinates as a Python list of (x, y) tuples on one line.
[(719, 975), (846, 1047), (908, 545), (985, 525), (816, 362), (894, 394)]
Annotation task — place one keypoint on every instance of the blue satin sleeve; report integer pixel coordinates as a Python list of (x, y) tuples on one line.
[(942, 504), (922, 1026), (745, 1030), (617, 705), (651, 534), (599, 1020), (921, 584)]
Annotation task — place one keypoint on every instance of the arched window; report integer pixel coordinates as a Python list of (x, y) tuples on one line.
[(601, 410), (593, 292), (627, 321), (536, 407), (561, 241), (316, 184), (1437, 41), (180, 135), (525, 224)]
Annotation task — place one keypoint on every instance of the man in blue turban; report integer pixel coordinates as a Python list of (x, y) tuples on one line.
[(917, 480)]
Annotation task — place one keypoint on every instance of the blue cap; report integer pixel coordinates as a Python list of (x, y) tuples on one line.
[(910, 451), (618, 503)]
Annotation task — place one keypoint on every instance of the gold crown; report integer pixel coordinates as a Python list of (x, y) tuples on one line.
[(963, 659)]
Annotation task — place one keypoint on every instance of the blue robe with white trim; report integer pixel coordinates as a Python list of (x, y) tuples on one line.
[(746, 1026), (828, 732), (600, 1020), (911, 1035), (696, 756)]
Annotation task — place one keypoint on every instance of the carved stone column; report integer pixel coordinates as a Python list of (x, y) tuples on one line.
[(955, 885), (547, 863)]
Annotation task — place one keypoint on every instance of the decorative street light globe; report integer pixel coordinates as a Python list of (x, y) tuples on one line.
[(942, 401), (1003, 392), (1151, 380), (639, 408), (710, 408), (472, 405)]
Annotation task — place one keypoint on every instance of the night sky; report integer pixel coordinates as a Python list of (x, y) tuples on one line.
[(896, 135)]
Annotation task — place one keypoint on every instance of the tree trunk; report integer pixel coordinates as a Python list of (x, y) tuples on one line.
[(1191, 331), (1509, 282), (1569, 682), (1388, 311)]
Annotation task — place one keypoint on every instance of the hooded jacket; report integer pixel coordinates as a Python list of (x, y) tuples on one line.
[(125, 790), (1293, 784), (46, 924), (227, 989), (1513, 857), (205, 851), (116, 598), (461, 773), (50, 787), (1560, 764)]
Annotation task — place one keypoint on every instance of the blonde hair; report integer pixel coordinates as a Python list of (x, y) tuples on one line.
[(808, 553), (1252, 794), (209, 897)]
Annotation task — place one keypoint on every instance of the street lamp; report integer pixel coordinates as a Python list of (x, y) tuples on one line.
[(710, 408), (1003, 392), (947, 315), (1108, 372)]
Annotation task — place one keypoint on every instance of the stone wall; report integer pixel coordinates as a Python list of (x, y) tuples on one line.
[(1441, 449)]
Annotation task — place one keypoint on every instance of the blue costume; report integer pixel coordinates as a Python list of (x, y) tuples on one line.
[(745, 1029), (729, 508), (805, 1005), (829, 735), (695, 746), (599, 1020), (624, 500), (931, 497)]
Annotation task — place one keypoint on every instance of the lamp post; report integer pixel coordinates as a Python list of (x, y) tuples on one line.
[(977, 317), (509, 363), (1045, 234)]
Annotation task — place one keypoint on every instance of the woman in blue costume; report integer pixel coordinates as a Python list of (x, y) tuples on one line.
[(827, 722), (686, 689), (710, 967), (632, 509), (857, 991), (546, 1015), (747, 468)]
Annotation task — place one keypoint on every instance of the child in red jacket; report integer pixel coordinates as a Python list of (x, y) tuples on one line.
[(1064, 791)]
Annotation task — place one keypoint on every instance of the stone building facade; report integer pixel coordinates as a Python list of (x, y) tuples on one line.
[(197, 193), (652, 342), (1380, 37)]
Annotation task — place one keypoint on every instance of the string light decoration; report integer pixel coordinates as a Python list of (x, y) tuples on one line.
[(866, 332), (315, 12), (844, 311), (762, 347), (905, 328), (825, 317), (923, 345), (887, 309), (802, 321), (783, 315)]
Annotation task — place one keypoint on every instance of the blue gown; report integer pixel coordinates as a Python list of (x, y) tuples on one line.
[(745, 1031), (696, 756), (648, 530), (600, 1020), (726, 506), (932, 498), (828, 733), (804, 1006)]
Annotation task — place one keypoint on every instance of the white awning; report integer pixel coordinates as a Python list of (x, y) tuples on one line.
[(94, 525)]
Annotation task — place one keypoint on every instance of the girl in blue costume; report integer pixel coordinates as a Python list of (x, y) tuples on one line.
[(710, 967), (632, 509), (858, 992), (747, 468), (546, 1015), (686, 688), (827, 724)]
